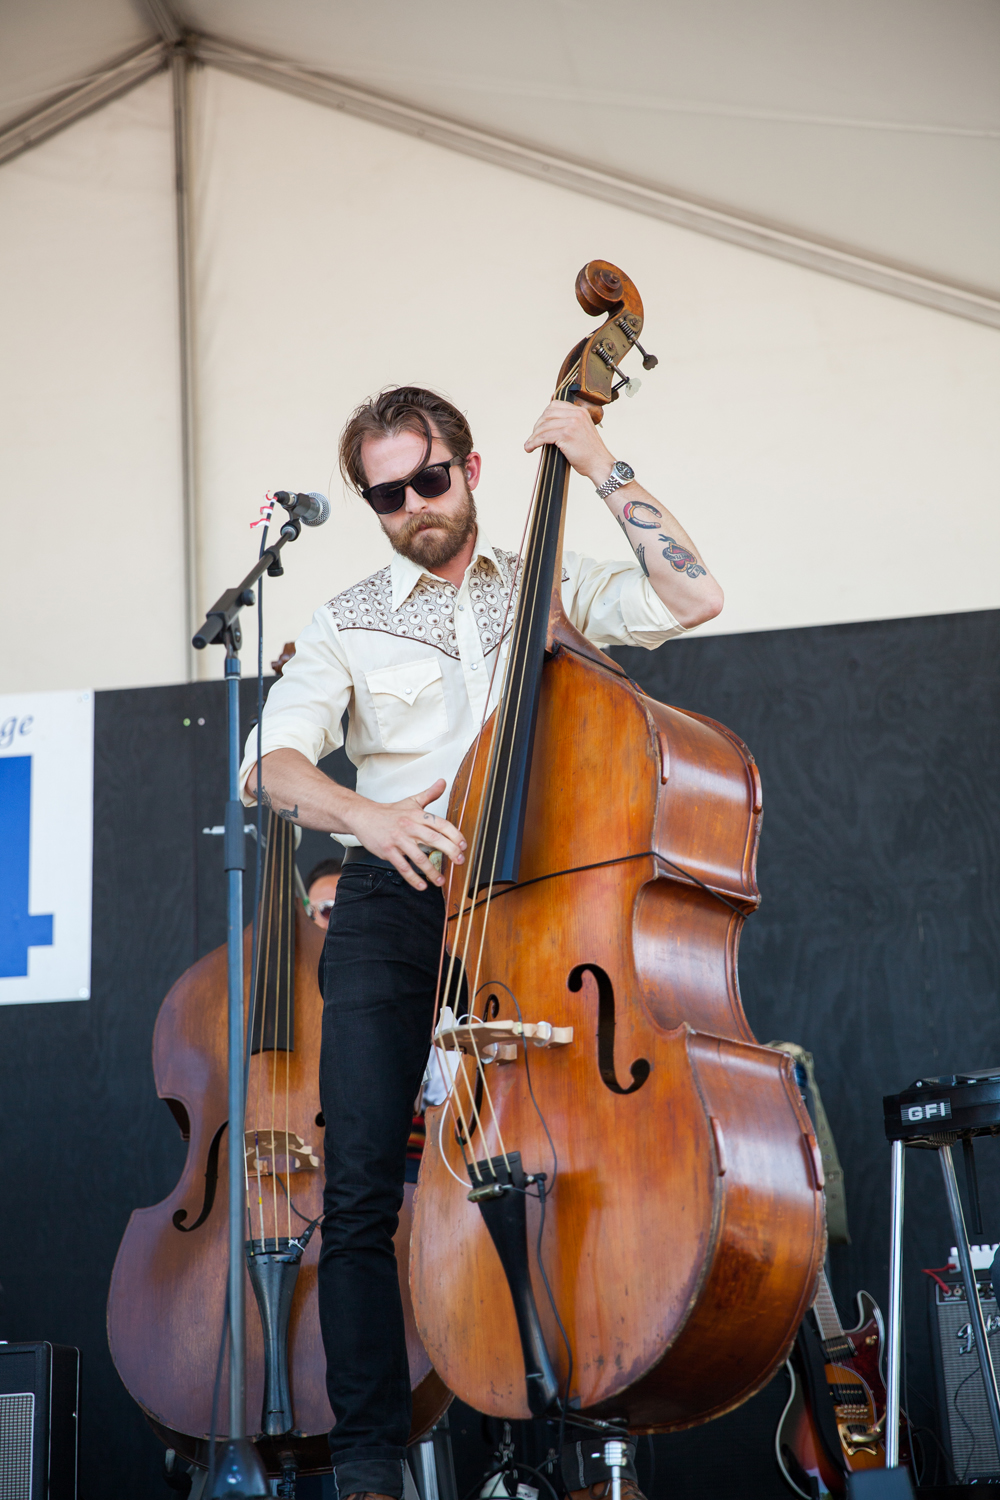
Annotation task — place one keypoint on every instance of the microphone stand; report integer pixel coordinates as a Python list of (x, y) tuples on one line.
[(239, 1472)]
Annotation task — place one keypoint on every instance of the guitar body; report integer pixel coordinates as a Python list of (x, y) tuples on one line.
[(855, 1381)]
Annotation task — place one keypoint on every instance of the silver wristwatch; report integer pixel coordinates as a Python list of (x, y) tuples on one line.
[(621, 473)]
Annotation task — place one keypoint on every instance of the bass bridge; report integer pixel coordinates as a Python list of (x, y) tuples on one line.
[(497, 1041), (277, 1152)]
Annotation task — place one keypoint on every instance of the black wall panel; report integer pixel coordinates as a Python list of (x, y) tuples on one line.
[(877, 946), (877, 943)]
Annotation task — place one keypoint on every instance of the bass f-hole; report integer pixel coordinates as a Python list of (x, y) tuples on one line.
[(640, 1070)]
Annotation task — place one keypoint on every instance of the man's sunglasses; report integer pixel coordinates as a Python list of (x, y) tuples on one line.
[(431, 482)]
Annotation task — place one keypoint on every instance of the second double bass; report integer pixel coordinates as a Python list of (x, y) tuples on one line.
[(609, 1079), (165, 1307)]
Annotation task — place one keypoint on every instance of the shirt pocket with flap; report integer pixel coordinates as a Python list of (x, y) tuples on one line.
[(409, 703)]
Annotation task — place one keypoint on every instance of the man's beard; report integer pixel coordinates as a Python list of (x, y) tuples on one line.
[(432, 539)]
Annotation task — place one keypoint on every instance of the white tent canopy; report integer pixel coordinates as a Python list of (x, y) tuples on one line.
[(805, 197)]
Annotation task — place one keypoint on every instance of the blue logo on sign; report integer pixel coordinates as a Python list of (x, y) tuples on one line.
[(18, 931)]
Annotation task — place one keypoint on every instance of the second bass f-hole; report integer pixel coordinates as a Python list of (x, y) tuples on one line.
[(211, 1183), (640, 1069)]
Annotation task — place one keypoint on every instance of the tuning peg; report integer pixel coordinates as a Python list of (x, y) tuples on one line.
[(633, 387), (649, 361)]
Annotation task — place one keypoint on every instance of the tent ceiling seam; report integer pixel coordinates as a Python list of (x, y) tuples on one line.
[(563, 171), (70, 105), (644, 198)]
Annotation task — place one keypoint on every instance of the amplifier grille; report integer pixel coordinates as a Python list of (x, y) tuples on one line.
[(17, 1428), (966, 1415)]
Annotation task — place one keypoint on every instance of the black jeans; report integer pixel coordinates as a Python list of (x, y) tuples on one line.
[(378, 976)]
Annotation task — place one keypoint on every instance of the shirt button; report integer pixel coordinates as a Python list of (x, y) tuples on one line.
[(475, 666), (461, 606)]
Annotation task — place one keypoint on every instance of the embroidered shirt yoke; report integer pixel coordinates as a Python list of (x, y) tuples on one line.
[(410, 657)]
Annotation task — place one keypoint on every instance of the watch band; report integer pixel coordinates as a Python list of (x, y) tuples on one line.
[(621, 474)]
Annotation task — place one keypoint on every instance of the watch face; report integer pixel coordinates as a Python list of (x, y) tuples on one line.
[(624, 471)]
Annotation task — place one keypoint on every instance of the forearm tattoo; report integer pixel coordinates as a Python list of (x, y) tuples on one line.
[(639, 513), (290, 814), (647, 518), (680, 558), (638, 548)]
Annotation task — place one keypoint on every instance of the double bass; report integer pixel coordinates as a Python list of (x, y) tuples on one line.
[(168, 1289), (620, 1210)]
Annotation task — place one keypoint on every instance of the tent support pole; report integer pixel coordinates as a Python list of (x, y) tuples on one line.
[(180, 66)]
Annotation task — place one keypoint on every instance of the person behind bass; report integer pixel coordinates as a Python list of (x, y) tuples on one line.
[(412, 654), (321, 890)]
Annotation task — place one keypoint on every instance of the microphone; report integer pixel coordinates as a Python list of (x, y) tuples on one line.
[(311, 509)]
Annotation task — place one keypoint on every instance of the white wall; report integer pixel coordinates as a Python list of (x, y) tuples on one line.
[(833, 451), (91, 593)]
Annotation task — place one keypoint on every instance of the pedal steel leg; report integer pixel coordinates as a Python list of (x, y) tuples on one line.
[(895, 1308), (971, 1290)]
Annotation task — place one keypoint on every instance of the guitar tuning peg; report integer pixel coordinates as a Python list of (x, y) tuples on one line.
[(649, 361), (633, 387)]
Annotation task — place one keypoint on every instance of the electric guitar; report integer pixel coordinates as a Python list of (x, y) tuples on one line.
[(833, 1423)]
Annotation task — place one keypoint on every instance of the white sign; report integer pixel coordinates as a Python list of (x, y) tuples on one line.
[(46, 845)]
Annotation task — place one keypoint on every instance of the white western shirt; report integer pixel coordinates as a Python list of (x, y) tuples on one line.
[(410, 657)]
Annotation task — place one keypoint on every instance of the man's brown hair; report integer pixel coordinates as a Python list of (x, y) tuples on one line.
[(402, 408)]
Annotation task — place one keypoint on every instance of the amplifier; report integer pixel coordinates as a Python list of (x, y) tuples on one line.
[(39, 1401), (963, 1414)]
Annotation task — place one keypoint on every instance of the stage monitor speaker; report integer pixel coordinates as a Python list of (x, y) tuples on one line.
[(39, 1404), (963, 1415)]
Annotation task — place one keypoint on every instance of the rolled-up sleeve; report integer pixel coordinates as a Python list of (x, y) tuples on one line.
[(305, 707), (614, 604)]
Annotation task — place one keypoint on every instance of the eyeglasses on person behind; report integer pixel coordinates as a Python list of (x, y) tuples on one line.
[(431, 482), (319, 908)]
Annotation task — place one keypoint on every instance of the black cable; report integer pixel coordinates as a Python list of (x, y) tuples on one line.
[(932, 1434), (311, 1222), (481, 1484), (954, 1402), (602, 864)]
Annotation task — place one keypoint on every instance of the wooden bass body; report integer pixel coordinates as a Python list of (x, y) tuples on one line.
[(168, 1288), (685, 1227)]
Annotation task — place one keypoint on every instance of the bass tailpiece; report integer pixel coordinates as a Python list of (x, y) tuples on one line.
[(500, 1193), (273, 1265)]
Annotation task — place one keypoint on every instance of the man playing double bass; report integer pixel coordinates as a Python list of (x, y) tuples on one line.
[(411, 654)]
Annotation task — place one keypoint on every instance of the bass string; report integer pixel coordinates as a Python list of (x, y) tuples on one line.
[(515, 699), (259, 1002), (273, 935), (281, 838), (526, 613), (474, 988), (453, 1095), (513, 694), (457, 946), (523, 613), (548, 496), (475, 748), (289, 889), (526, 608)]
